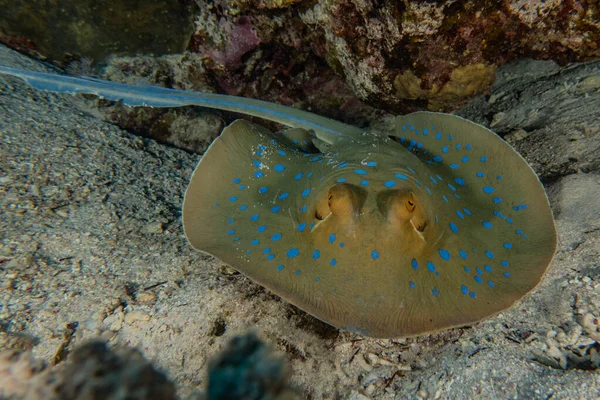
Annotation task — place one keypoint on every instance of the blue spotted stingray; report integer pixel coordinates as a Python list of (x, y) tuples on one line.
[(440, 225)]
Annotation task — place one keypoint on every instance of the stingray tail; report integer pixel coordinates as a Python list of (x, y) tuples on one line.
[(325, 129)]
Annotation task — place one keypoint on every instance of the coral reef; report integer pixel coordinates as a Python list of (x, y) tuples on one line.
[(96, 29)]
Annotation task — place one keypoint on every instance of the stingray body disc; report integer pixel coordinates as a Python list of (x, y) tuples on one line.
[(442, 227)]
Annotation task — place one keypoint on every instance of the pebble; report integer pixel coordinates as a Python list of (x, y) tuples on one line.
[(135, 316), (146, 298)]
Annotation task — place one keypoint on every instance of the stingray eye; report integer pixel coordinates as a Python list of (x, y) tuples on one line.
[(410, 205)]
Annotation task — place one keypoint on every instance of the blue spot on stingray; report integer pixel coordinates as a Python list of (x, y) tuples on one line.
[(311, 225), (389, 184), (371, 163), (436, 219), (281, 152), (341, 180), (463, 254), (280, 267), (231, 232), (332, 238), (236, 239), (457, 196), (255, 242), (445, 254), (425, 131), (509, 220), (468, 147), (435, 292), (360, 172), (439, 177), (256, 163), (343, 165), (464, 290), (430, 266), (309, 175), (467, 270), (480, 174), (418, 183), (487, 224), (520, 207), (293, 252), (333, 262), (453, 227), (491, 283), (305, 192), (452, 187), (342, 244), (261, 228), (478, 279), (487, 268), (302, 226), (267, 250), (374, 254), (449, 137), (445, 198), (499, 214), (316, 254), (316, 158), (255, 217), (317, 279), (415, 264), (433, 180), (276, 237), (438, 136), (508, 245), (298, 176), (459, 181), (466, 210), (263, 190), (297, 272), (303, 210), (217, 205), (445, 149), (364, 183), (242, 187), (506, 274), (233, 198), (465, 159), (519, 231), (401, 176), (488, 189), (237, 180), (460, 215), (504, 263), (497, 200), (428, 190), (419, 145), (438, 159), (483, 159), (259, 174), (489, 254), (283, 196), (458, 146), (279, 167), (275, 209), (243, 208), (230, 220), (411, 284), (499, 177), (248, 252)]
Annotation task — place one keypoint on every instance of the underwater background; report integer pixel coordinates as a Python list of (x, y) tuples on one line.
[(91, 193)]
